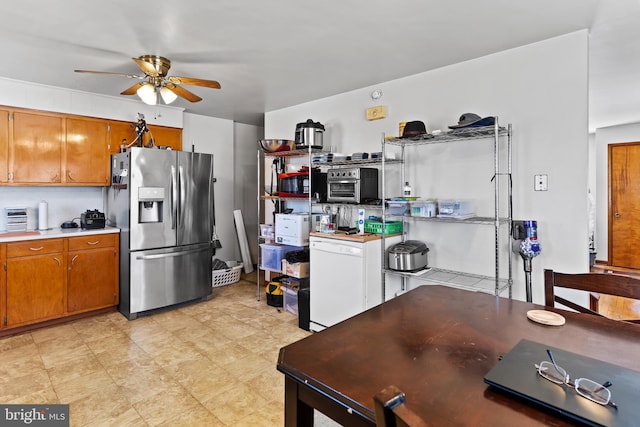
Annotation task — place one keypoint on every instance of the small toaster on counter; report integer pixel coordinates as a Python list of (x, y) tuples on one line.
[(91, 220)]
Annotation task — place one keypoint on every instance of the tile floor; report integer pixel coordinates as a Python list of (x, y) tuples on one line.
[(212, 364)]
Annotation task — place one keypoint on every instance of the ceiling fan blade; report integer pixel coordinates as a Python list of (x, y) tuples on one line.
[(108, 73), (146, 67), (184, 93), (195, 82), (133, 89)]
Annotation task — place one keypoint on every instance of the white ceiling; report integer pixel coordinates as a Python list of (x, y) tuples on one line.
[(272, 54)]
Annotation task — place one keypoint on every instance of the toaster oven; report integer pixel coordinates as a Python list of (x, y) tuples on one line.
[(352, 185)]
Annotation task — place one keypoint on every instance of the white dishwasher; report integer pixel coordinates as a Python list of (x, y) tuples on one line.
[(345, 278)]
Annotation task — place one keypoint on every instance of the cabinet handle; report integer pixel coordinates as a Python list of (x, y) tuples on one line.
[(70, 176), (58, 261), (93, 243), (73, 260), (56, 178), (37, 249)]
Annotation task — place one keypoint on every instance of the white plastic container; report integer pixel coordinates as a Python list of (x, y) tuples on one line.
[(398, 207), (424, 208), (454, 208)]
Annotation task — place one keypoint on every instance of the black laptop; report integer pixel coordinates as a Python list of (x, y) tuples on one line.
[(516, 373)]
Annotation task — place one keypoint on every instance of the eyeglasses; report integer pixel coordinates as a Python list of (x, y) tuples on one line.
[(585, 387)]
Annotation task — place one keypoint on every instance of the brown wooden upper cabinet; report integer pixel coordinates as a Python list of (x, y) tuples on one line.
[(165, 136), (4, 146), (86, 152), (35, 151), (42, 148), (125, 132)]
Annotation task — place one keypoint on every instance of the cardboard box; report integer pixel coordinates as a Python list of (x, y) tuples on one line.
[(298, 269)]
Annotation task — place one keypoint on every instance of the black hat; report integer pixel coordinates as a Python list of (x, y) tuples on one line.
[(415, 128), (473, 120)]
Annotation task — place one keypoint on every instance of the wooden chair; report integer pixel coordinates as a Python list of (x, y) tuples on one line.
[(594, 283), (391, 410)]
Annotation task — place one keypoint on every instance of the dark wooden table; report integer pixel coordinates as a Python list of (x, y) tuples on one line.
[(436, 344)]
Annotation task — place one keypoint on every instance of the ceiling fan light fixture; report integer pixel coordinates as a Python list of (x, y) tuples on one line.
[(168, 96), (147, 93)]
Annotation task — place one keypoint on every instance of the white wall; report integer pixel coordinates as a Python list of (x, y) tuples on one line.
[(540, 88), (604, 137), (215, 136), (246, 179)]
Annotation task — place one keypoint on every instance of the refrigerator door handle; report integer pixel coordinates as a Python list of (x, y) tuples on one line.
[(182, 193), (168, 255), (174, 197)]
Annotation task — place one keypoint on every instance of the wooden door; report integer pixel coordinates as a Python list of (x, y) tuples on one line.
[(3, 281), (35, 289), (92, 281), (4, 145), (35, 153), (164, 136), (624, 205), (86, 152), (119, 133)]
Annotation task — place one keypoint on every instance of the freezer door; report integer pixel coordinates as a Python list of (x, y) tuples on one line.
[(164, 277), (153, 198), (195, 200)]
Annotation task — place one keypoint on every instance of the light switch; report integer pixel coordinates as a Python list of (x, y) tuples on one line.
[(540, 182)]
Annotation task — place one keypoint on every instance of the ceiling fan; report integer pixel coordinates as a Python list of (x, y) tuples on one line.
[(156, 82)]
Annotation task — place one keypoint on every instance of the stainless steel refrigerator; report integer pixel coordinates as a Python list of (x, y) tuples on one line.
[(162, 201)]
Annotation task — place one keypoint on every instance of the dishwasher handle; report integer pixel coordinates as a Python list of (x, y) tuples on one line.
[(337, 248)]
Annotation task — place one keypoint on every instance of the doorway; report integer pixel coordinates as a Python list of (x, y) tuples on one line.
[(624, 205)]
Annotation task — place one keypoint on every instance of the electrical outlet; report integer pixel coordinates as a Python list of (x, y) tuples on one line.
[(376, 113), (540, 182)]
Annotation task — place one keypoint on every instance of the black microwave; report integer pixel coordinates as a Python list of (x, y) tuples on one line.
[(296, 184)]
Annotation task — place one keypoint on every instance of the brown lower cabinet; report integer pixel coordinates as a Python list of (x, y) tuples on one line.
[(92, 273), (51, 279)]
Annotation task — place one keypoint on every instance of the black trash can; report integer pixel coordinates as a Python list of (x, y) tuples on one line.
[(303, 309)]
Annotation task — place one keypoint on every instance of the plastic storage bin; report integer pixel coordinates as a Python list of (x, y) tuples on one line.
[(454, 207), (290, 299), (398, 207), (273, 254), (424, 208), (267, 231)]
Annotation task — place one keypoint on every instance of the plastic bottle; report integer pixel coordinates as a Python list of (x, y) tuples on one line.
[(407, 190)]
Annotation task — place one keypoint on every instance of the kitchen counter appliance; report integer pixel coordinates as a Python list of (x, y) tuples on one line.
[(309, 134), (91, 220), (352, 185), (296, 184), (162, 201), (410, 255)]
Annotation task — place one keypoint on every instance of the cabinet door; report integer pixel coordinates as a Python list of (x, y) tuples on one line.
[(91, 282), (119, 133), (165, 136), (3, 281), (4, 146), (86, 152), (35, 289), (36, 150)]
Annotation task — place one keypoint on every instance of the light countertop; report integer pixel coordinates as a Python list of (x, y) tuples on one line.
[(341, 235), (52, 233)]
